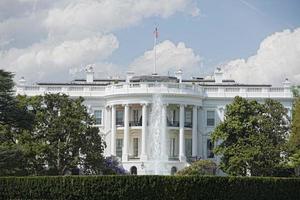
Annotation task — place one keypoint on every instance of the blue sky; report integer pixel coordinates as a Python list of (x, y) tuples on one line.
[(54, 40), (224, 30)]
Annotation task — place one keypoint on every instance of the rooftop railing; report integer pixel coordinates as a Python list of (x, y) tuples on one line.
[(154, 88), (162, 88)]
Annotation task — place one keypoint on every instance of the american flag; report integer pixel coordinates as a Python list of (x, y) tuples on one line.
[(155, 32)]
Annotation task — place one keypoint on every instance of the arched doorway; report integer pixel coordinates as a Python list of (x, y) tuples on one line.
[(133, 170), (173, 170)]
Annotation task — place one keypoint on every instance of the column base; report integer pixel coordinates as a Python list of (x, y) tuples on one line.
[(124, 157), (182, 158)]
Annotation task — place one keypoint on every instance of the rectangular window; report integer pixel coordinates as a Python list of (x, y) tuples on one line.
[(135, 147), (188, 118), (98, 117), (188, 147), (210, 147), (172, 148), (210, 118), (135, 115), (120, 117), (119, 147)]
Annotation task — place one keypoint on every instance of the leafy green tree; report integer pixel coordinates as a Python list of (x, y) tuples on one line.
[(62, 138), (10, 113), (294, 140), (13, 120), (200, 167), (252, 137)]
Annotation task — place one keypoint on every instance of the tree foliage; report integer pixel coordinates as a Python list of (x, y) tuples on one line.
[(252, 137), (13, 120), (294, 140), (200, 168), (62, 137)]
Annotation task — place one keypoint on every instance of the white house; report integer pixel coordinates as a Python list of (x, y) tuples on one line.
[(190, 110)]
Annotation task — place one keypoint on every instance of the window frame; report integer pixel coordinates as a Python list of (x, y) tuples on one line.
[(100, 116), (214, 118)]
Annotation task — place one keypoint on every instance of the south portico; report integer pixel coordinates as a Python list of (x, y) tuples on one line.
[(130, 129)]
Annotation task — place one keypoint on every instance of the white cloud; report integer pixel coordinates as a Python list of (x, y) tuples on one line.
[(170, 57), (109, 15), (45, 39), (45, 60), (277, 58)]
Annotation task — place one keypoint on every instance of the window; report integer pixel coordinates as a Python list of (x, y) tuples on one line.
[(210, 147), (119, 147), (133, 170), (188, 147), (188, 118), (210, 118), (173, 170), (172, 147), (135, 147), (120, 116), (135, 115), (98, 116)]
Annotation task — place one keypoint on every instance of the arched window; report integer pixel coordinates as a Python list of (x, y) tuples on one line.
[(133, 170), (173, 170)]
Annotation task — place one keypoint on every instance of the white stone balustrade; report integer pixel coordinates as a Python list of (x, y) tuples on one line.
[(162, 88)]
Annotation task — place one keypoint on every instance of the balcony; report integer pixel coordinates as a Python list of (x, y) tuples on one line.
[(154, 88), (120, 123), (188, 124), (135, 123), (173, 123)]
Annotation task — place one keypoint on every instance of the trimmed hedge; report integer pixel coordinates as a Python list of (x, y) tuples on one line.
[(149, 187)]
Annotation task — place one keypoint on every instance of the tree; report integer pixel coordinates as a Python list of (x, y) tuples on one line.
[(252, 137), (10, 113), (294, 140), (13, 120), (62, 138), (200, 167)]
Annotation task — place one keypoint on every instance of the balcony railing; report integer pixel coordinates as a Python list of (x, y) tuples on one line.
[(173, 123), (188, 124), (120, 123), (135, 123)]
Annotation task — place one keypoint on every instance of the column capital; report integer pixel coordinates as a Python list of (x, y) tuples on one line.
[(125, 104), (144, 104), (221, 108), (183, 105)]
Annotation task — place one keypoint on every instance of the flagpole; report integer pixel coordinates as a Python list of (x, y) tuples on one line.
[(154, 48)]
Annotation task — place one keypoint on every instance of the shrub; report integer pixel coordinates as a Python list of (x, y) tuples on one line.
[(149, 187), (200, 167), (113, 167)]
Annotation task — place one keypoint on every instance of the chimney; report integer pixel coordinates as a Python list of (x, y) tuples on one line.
[(287, 85), (178, 75), (22, 81), (129, 75), (89, 74), (218, 75)]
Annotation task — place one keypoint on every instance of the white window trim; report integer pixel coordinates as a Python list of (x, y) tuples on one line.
[(207, 110), (102, 115)]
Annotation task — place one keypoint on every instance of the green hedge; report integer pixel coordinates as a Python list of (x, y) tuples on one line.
[(149, 187)]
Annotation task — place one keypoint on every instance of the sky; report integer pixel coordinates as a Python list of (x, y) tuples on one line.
[(253, 41)]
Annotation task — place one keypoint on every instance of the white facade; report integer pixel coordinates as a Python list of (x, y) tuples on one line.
[(192, 108)]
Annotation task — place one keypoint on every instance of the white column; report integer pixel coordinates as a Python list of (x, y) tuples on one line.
[(182, 157), (144, 132), (164, 132), (113, 130), (194, 133), (126, 133)]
